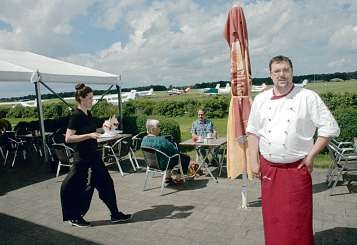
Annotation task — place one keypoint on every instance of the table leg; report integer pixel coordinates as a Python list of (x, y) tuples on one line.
[(203, 163)]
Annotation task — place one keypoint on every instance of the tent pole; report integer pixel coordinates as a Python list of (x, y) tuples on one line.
[(53, 92), (41, 119), (105, 93), (120, 107)]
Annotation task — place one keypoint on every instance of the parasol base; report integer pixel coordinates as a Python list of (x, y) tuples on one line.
[(244, 204), (244, 192)]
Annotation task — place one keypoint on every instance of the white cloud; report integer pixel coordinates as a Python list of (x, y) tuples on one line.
[(181, 42), (36, 24), (344, 38)]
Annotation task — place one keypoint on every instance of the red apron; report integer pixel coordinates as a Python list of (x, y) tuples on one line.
[(286, 203)]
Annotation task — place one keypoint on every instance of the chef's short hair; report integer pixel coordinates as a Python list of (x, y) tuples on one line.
[(279, 59)]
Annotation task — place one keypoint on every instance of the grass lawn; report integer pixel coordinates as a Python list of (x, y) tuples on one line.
[(15, 121), (349, 86), (196, 94)]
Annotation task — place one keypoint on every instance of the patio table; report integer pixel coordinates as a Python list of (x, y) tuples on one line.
[(210, 145)]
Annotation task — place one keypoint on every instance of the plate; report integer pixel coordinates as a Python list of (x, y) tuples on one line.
[(209, 138), (105, 135)]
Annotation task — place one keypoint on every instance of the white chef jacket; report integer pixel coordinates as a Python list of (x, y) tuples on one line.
[(286, 126)]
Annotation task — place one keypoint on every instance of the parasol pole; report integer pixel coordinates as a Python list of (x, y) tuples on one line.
[(240, 75)]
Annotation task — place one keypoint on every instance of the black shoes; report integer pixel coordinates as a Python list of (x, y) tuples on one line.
[(79, 222), (120, 217)]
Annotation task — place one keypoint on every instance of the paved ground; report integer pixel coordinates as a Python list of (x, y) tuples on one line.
[(201, 212)]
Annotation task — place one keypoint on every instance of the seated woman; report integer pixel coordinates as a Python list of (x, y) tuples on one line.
[(163, 144)]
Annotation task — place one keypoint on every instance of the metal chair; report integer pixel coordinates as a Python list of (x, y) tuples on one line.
[(343, 161), (64, 155), (136, 144), (136, 141), (13, 144), (342, 144), (333, 148), (153, 165), (2, 146), (118, 152)]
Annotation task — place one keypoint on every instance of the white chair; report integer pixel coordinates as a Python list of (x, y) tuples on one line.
[(13, 144), (335, 148), (343, 161), (118, 152), (342, 144), (64, 155), (136, 144), (153, 165)]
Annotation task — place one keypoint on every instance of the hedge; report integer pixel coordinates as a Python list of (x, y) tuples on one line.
[(5, 125), (216, 107), (347, 120), (135, 112), (137, 124), (132, 125), (334, 101)]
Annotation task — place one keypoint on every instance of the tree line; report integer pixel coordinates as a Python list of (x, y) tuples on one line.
[(255, 81)]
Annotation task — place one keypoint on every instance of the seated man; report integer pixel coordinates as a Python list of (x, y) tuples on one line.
[(202, 128), (163, 144)]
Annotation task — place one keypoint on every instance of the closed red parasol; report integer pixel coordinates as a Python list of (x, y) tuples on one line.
[(235, 32)]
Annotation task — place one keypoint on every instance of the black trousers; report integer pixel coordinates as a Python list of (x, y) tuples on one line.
[(78, 186), (185, 161)]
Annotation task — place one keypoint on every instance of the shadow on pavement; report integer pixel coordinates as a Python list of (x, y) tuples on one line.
[(190, 184), (19, 231), (320, 187), (157, 212), (24, 173), (336, 236), (255, 204)]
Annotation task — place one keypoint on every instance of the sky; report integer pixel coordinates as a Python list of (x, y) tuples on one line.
[(178, 42)]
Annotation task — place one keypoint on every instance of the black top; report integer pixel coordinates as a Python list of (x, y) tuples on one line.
[(83, 124)]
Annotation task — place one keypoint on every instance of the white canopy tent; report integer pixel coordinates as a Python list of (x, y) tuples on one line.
[(23, 66)]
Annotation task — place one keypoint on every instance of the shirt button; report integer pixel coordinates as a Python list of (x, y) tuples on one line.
[(288, 120), (269, 119), (286, 132), (269, 131), (269, 143), (269, 108)]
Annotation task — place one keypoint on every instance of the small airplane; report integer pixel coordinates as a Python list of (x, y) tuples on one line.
[(176, 91), (25, 103), (145, 93), (218, 89), (207, 89), (125, 96), (259, 88), (301, 85)]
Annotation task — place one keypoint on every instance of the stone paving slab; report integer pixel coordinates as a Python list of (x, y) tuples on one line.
[(200, 212)]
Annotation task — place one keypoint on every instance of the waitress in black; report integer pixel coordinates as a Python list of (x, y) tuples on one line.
[(77, 188)]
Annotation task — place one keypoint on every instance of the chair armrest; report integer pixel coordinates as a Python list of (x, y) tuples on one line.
[(65, 146), (175, 155), (344, 150)]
